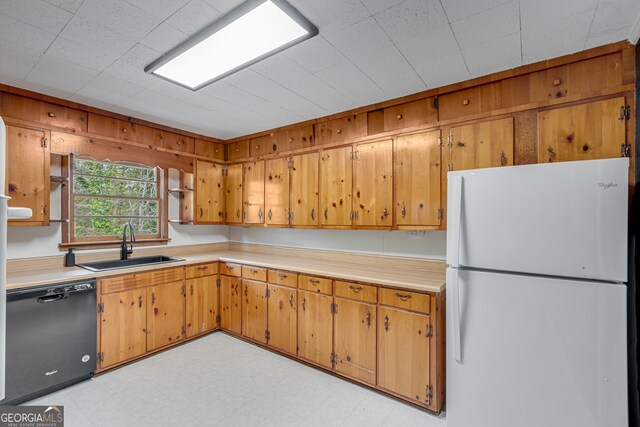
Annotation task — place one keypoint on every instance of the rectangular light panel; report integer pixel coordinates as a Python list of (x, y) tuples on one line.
[(253, 31)]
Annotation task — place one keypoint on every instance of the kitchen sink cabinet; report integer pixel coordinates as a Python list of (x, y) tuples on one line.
[(165, 314), (231, 304), (201, 305), (254, 310), (281, 318), (315, 328)]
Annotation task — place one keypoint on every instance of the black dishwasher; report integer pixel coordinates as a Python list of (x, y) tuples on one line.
[(51, 339)]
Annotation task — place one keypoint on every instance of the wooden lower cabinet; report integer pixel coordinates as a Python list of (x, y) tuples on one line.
[(165, 314), (231, 304), (202, 305), (315, 329), (282, 318), (123, 326), (254, 310), (355, 340), (404, 354)]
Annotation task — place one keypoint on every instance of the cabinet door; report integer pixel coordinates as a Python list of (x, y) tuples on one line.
[(304, 190), (123, 323), (28, 173), (582, 132), (355, 340), (165, 314), (482, 145), (277, 191), (282, 322), (336, 185), (404, 354), (202, 305), (253, 193), (373, 184), (233, 194), (231, 304), (254, 310), (315, 329), (209, 193), (417, 175)]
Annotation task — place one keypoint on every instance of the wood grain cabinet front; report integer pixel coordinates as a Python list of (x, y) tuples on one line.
[(373, 184), (202, 303), (315, 329), (277, 191), (233, 194), (336, 187), (165, 315), (254, 310), (355, 340), (253, 193), (282, 318), (231, 304), (304, 190), (209, 193)]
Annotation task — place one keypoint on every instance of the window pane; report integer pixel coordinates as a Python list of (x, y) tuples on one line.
[(99, 206), (109, 227), (91, 167), (114, 187)]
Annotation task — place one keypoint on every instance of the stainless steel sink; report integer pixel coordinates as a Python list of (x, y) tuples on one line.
[(128, 263)]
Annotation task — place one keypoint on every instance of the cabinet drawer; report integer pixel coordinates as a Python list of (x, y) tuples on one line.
[(337, 130), (123, 283), (315, 284), (230, 269), (357, 291), (254, 273), (201, 270), (403, 299), (283, 278), (166, 276)]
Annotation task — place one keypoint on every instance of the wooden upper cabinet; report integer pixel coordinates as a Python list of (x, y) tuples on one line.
[(253, 192), (304, 190), (582, 132), (337, 130), (402, 116), (44, 113), (373, 184), (336, 186), (231, 304), (28, 167), (165, 314), (238, 150), (175, 141), (475, 100), (254, 310), (315, 330), (210, 149), (404, 346), (262, 145), (277, 191), (201, 305), (417, 174), (114, 128), (233, 194), (282, 320), (296, 138), (481, 145), (209, 193)]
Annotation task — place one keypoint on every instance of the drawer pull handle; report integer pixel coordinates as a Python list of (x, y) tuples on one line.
[(313, 214), (246, 291), (404, 210), (230, 267), (270, 214), (153, 298), (386, 323), (260, 214), (192, 290), (304, 304), (368, 319), (254, 271), (140, 302), (314, 281), (291, 300), (403, 297), (51, 114), (326, 213), (385, 213), (202, 268), (282, 276), (238, 213), (355, 289)]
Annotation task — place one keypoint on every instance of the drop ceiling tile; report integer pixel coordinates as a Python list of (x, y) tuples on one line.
[(315, 54), (281, 69), (161, 9), (39, 14), (130, 66), (52, 74), (412, 18), (353, 83), (310, 85), (459, 9), (193, 16), (431, 44), (497, 55), (10, 77), (443, 70), (332, 100), (109, 89), (609, 36), (224, 6), (75, 53), (119, 16), (68, 5), (609, 20), (91, 101), (164, 38), (390, 71), (21, 63), (539, 12), (170, 89), (487, 25), (94, 36), (361, 38), (556, 38), (377, 6), (331, 16), (29, 37)]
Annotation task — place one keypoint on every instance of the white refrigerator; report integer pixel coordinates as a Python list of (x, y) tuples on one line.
[(6, 213), (536, 295)]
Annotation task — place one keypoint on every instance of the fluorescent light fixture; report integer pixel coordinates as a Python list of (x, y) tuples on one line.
[(249, 33)]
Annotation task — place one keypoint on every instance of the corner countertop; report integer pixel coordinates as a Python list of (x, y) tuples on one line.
[(418, 275)]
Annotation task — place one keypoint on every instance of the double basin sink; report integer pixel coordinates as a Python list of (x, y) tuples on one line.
[(128, 263)]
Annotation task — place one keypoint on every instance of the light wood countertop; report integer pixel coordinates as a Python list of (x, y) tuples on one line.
[(418, 275)]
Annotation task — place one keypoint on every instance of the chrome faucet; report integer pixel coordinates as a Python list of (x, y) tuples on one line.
[(124, 252)]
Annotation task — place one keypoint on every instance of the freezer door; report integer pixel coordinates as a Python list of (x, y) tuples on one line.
[(535, 352), (559, 219)]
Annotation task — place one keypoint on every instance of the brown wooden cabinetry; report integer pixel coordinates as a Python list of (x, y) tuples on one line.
[(209, 193), (481, 145), (588, 131), (253, 192), (28, 173), (342, 129), (277, 191), (304, 190), (165, 315), (214, 150), (238, 150), (373, 184), (401, 116), (254, 310), (336, 186), (231, 304), (47, 114), (202, 305), (315, 330), (282, 318), (233, 194)]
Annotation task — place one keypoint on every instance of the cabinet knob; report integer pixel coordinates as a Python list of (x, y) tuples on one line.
[(326, 214), (270, 214), (124, 130), (556, 82), (313, 214), (51, 114), (503, 158), (465, 102), (368, 319), (399, 117), (290, 139), (304, 304), (140, 302), (339, 131)]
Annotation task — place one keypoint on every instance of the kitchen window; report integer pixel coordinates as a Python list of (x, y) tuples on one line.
[(105, 196)]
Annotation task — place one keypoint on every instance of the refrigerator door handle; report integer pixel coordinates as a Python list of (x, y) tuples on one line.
[(456, 216), (454, 282)]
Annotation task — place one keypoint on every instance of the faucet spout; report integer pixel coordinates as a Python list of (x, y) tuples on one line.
[(124, 251)]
